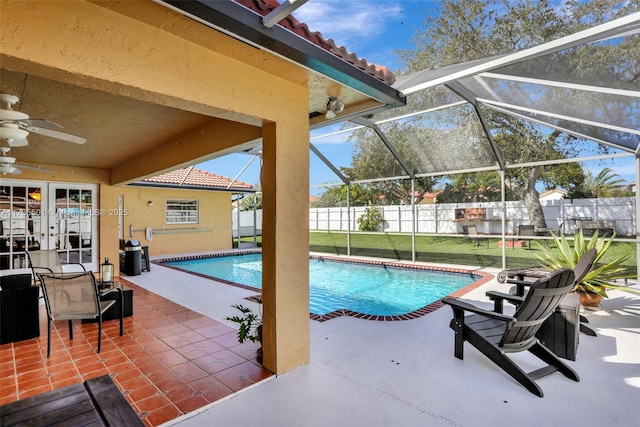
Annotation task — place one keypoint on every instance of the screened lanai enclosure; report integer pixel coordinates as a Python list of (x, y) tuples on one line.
[(514, 118)]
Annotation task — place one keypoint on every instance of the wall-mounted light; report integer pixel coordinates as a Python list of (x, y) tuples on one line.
[(5, 169), (150, 203), (334, 106)]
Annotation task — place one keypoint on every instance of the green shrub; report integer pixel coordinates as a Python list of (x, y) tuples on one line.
[(603, 275), (371, 220)]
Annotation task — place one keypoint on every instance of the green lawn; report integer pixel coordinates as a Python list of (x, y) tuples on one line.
[(448, 250)]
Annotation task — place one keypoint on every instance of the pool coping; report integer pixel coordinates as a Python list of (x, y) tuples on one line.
[(429, 308)]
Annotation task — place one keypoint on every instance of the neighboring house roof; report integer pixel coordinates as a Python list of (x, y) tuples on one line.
[(195, 179), (263, 7), (552, 194)]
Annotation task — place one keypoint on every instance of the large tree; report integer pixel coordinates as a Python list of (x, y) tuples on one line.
[(465, 30)]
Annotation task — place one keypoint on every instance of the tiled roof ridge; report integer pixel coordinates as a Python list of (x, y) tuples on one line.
[(263, 7), (196, 177)]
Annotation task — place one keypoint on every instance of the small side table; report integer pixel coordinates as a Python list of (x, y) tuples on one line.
[(560, 332), (113, 293)]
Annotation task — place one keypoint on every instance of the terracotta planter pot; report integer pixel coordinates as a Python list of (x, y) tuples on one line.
[(589, 299)]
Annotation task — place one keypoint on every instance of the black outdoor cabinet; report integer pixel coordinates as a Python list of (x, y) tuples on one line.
[(113, 312), (560, 332), (19, 308)]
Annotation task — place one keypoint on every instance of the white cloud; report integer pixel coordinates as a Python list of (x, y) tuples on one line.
[(348, 23)]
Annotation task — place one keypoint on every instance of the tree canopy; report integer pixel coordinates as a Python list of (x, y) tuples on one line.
[(452, 138)]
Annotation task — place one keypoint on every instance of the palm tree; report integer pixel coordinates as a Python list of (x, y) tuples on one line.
[(602, 184)]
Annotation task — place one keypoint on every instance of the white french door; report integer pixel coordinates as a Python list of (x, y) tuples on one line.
[(37, 215), (73, 223)]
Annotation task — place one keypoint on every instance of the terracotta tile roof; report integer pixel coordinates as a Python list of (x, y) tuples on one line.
[(263, 7), (197, 178)]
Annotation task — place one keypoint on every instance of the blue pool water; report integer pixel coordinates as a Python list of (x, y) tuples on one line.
[(367, 289)]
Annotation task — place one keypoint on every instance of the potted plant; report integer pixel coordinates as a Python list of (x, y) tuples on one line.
[(602, 277), (250, 325)]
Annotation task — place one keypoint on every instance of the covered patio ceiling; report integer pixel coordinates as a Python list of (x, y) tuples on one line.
[(123, 124)]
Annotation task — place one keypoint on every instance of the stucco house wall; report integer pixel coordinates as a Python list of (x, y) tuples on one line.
[(212, 232)]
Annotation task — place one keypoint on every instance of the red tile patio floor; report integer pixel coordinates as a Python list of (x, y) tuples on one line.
[(170, 360)]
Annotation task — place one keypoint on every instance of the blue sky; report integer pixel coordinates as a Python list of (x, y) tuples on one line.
[(371, 29), (374, 30)]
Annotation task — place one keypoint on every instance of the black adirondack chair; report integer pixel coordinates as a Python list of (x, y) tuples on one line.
[(496, 334), (583, 266)]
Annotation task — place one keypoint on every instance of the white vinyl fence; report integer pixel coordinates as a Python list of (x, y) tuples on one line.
[(248, 222), (440, 218)]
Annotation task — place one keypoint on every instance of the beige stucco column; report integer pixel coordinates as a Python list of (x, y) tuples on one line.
[(285, 244)]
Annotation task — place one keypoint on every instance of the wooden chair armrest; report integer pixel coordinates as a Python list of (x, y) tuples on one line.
[(520, 282), (459, 306), (498, 299), (513, 299), (521, 275)]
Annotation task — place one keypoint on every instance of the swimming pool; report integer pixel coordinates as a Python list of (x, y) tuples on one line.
[(369, 288)]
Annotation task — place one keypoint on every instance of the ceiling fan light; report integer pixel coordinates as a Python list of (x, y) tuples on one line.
[(5, 169), (11, 131)]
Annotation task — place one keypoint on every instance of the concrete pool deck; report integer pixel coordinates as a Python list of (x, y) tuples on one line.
[(404, 373)]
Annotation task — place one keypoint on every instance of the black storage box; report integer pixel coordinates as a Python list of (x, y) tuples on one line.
[(560, 332)]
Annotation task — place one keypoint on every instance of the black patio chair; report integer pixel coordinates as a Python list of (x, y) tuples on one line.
[(496, 334), (472, 233), (583, 266), (71, 296), (48, 261), (528, 231)]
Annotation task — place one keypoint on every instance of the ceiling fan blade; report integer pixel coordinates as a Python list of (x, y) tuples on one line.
[(33, 168), (43, 127), (42, 123)]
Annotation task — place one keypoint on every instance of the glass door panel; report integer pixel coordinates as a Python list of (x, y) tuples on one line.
[(72, 225), (22, 221)]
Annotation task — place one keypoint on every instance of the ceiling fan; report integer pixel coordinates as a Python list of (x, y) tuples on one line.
[(8, 164), (15, 125)]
